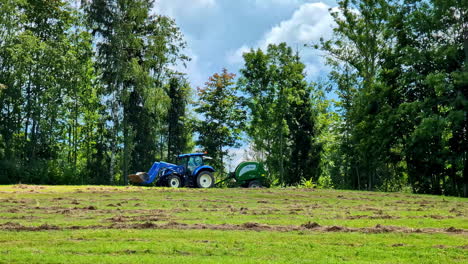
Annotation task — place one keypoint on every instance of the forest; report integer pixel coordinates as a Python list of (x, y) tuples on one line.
[(91, 91)]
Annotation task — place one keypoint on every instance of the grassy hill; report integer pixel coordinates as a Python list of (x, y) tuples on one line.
[(71, 224)]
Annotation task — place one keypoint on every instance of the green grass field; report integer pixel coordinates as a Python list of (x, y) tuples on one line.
[(58, 224)]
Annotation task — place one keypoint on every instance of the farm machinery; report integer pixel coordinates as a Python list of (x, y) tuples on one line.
[(192, 170), (248, 174)]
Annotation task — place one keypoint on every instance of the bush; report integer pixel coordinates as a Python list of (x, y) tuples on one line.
[(307, 184), (325, 182)]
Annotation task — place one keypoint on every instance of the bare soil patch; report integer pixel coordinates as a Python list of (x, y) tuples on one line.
[(9, 226), (398, 245), (310, 225), (353, 217), (139, 218), (18, 227)]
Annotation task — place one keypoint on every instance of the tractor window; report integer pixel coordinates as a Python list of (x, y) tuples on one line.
[(198, 160), (195, 162)]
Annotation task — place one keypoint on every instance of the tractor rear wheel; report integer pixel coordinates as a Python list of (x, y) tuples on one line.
[(255, 184), (205, 179), (173, 181)]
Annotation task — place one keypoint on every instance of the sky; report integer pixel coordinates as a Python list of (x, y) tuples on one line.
[(217, 32)]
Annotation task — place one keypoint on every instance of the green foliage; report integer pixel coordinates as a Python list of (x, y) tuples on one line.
[(179, 123), (399, 69), (47, 66), (281, 114), (135, 51), (222, 118), (82, 96), (325, 182), (308, 184), (89, 93)]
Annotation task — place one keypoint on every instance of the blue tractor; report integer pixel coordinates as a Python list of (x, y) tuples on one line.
[(191, 171)]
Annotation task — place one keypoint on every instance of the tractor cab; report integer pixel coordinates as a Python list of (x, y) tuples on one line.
[(196, 171), (191, 162)]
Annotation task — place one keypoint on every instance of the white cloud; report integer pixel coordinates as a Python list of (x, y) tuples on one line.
[(307, 25), (235, 57), (189, 10)]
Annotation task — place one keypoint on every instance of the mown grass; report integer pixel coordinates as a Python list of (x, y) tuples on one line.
[(98, 208), (208, 246)]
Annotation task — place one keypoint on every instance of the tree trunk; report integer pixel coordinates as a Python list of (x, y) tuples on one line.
[(115, 121), (126, 147), (465, 177)]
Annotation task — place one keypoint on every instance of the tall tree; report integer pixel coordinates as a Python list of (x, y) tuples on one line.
[(221, 116), (432, 67), (399, 69), (46, 66), (360, 40), (135, 52), (179, 129), (281, 117)]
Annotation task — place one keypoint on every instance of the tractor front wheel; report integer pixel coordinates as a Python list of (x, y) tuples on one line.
[(205, 179), (173, 181)]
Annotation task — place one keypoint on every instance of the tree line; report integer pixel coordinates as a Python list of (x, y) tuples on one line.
[(90, 93), (400, 71)]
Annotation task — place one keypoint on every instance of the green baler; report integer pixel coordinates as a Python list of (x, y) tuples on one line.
[(248, 174)]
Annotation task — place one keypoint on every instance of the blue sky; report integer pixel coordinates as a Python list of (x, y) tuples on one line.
[(219, 31)]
